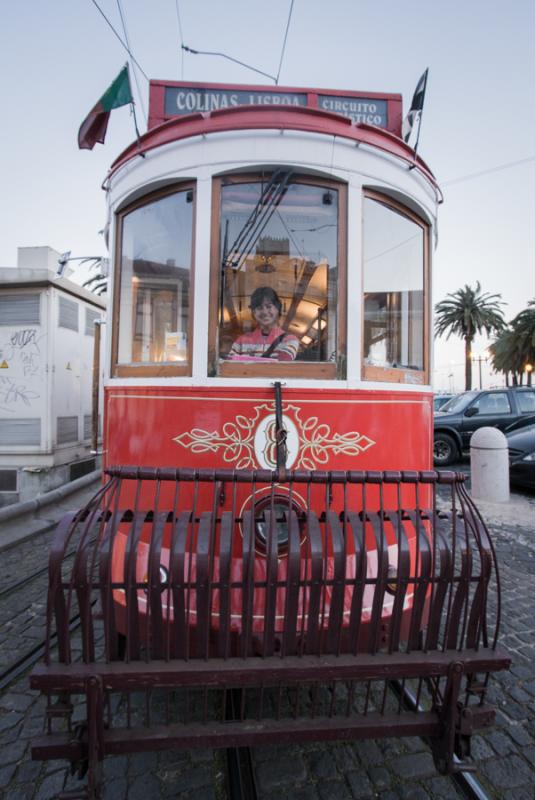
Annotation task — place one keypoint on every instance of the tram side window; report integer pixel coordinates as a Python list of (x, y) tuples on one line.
[(155, 282), (278, 272), (394, 303)]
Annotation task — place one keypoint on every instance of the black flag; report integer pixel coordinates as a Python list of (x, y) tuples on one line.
[(415, 111)]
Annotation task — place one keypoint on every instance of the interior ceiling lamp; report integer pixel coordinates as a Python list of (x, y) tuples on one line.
[(265, 265)]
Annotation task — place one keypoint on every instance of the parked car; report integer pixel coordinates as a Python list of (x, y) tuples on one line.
[(521, 443), (440, 399), (465, 413)]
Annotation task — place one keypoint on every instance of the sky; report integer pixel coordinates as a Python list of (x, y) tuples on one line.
[(58, 57)]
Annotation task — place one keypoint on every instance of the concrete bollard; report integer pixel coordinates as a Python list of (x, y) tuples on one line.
[(489, 465)]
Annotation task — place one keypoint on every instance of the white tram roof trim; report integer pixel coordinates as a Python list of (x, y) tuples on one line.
[(250, 150)]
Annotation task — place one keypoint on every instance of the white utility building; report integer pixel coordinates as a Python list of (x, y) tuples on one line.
[(47, 328)]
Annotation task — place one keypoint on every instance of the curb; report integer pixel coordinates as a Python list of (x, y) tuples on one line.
[(31, 506), (22, 521)]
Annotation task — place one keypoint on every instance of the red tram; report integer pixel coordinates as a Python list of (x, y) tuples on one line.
[(270, 506)]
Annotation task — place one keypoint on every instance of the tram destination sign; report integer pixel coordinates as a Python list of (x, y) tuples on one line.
[(169, 99), (358, 109), (188, 100)]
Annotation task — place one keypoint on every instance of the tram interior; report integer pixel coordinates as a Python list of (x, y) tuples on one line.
[(285, 239)]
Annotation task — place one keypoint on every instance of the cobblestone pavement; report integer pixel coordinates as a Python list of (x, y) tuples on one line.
[(22, 612), (387, 769)]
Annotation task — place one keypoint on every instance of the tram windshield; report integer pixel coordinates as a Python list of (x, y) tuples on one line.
[(278, 271), (155, 269), (394, 246)]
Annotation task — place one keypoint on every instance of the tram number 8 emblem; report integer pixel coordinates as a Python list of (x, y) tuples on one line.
[(265, 442)]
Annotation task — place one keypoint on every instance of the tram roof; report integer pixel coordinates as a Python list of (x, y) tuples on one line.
[(180, 110)]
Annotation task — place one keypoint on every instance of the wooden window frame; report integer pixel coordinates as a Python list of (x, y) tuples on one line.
[(323, 370), (401, 374), (134, 370)]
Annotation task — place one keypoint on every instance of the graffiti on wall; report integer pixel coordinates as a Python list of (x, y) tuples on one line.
[(22, 364)]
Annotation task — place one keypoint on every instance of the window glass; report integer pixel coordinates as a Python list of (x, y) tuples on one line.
[(279, 272), (393, 288), (156, 257), (495, 403), (526, 402), (458, 403)]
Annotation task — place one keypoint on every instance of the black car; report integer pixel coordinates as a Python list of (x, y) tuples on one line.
[(457, 420), (440, 400), (521, 444)]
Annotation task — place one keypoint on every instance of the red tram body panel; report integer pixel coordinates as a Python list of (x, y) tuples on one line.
[(219, 427), (225, 429)]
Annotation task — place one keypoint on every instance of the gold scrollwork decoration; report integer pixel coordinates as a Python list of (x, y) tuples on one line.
[(236, 440)]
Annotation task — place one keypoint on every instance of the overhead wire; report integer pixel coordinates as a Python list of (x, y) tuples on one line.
[(134, 60), (229, 58), (394, 247), (187, 49), (284, 42), (489, 171), (181, 35), (121, 14)]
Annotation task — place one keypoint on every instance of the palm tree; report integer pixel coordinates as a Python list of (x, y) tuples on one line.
[(513, 352), (97, 283), (523, 327), (505, 356), (466, 312)]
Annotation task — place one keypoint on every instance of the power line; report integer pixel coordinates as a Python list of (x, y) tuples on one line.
[(181, 41), (133, 65), (394, 247), (230, 58), (284, 43), (488, 171), (136, 62)]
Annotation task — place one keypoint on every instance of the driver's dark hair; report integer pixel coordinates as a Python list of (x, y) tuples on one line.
[(265, 293)]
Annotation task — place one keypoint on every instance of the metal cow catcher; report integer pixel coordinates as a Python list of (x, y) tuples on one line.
[(312, 614), (281, 539)]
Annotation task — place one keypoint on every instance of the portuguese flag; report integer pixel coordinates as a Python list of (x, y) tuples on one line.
[(93, 128)]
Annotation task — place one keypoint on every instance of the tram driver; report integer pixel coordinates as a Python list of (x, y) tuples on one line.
[(268, 339)]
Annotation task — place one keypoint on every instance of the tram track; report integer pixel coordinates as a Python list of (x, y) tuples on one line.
[(241, 782), (31, 657), (465, 781), (36, 652), (7, 591), (240, 775)]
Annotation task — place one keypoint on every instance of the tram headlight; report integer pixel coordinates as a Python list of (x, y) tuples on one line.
[(164, 579), (280, 524)]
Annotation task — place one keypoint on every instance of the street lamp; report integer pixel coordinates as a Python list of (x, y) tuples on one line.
[(479, 359), (66, 257), (529, 370)]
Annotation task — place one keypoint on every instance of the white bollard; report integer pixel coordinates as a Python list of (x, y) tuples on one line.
[(489, 465)]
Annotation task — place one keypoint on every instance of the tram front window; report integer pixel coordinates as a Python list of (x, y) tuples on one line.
[(155, 278), (394, 311), (278, 273)]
